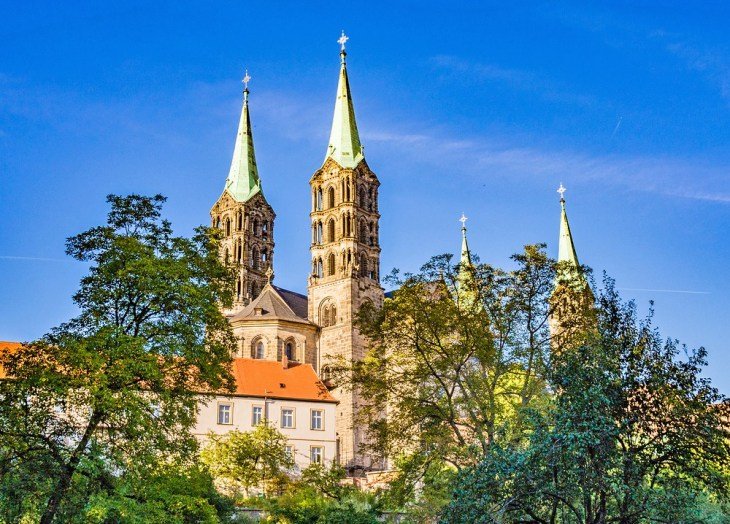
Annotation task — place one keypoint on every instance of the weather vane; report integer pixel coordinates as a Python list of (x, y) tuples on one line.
[(246, 80), (343, 40), (562, 191), (463, 220)]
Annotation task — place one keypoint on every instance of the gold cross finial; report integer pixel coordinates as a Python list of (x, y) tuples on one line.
[(562, 191), (343, 40), (246, 80), (463, 220)]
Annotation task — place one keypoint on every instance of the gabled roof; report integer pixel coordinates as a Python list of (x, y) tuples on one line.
[(270, 379), (276, 304)]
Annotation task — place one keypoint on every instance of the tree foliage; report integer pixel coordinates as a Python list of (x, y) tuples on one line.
[(116, 384), (634, 434), (244, 461), (452, 368)]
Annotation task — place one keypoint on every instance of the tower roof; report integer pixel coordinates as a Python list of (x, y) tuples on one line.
[(243, 180), (344, 145), (566, 248), (465, 253)]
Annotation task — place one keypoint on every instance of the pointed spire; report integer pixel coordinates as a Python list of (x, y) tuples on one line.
[(243, 180), (566, 248), (465, 253), (344, 145)]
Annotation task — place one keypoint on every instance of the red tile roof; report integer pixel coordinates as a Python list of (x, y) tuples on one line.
[(260, 378), (268, 378), (7, 346)]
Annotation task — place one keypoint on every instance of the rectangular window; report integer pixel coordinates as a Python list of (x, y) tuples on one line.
[(289, 450), (224, 414), (287, 418), (316, 454), (257, 414), (317, 419)]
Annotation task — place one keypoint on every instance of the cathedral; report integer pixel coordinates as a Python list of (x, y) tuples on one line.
[(276, 324)]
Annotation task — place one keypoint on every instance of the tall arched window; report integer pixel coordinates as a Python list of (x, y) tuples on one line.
[(255, 227), (363, 265), (331, 230), (331, 264), (363, 232), (239, 221), (319, 233), (228, 227), (320, 268), (289, 350), (318, 200), (362, 197), (370, 199), (255, 257), (331, 197), (259, 350), (239, 253), (333, 315)]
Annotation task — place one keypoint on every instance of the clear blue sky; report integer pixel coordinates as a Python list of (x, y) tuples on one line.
[(472, 107)]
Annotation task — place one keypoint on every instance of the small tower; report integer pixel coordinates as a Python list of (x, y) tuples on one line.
[(245, 217), (572, 298), (345, 254)]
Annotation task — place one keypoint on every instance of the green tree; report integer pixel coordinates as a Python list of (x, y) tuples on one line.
[(247, 460), (117, 382), (453, 368), (634, 434)]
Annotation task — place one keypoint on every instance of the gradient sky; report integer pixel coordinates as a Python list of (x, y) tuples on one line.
[(474, 107)]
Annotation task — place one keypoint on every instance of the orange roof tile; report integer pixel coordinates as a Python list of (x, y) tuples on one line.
[(8, 346), (268, 378)]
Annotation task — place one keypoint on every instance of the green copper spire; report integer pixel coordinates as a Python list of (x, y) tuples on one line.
[(243, 180), (466, 288), (344, 146), (566, 248), (465, 253)]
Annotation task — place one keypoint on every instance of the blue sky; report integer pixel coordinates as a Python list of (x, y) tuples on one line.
[(474, 107)]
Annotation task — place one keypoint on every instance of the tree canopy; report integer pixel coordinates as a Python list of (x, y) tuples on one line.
[(113, 389)]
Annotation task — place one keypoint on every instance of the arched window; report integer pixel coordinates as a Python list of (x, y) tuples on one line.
[(326, 373), (333, 315), (331, 230), (319, 233), (318, 200), (363, 232), (238, 288), (289, 350), (370, 199), (239, 254), (363, 197), (331, 197), (225, 256), (331, 266), (239, 221), (320, 268), (259, 350), (228, 227), (218, 222), (327, 313), (255, 227), (363, 265), (255, 258), (347, 190)]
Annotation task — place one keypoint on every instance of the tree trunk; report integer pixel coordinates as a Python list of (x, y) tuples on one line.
[(64, 483)]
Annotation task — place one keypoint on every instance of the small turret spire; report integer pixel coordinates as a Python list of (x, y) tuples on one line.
[(465, 253), (566, 248), (344, 145), (243, 180)]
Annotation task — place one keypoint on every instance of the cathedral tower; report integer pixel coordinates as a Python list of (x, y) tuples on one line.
[(572, 299), (245, 217), (345, 257)]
